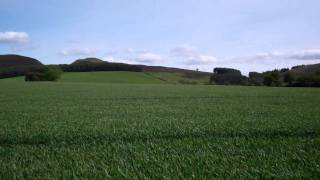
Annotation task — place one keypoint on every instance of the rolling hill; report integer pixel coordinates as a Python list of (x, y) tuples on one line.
[(17, 60), (16, 65)]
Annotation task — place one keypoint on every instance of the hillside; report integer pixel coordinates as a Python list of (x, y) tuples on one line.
[(95, 64), (110, 77), (17, 60), (16, 65)]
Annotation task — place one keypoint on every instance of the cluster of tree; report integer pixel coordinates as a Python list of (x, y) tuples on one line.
[(47, 73), (13, 71), (285, 77), (282, 77), (86, 66), (227, 76)]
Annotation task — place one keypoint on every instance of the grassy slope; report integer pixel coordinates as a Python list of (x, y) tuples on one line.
[(110, 77), (133, 77), (180, 78), (90, 130)]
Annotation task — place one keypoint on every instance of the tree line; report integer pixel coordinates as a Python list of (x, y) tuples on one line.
[(86, 66), (282, 77)]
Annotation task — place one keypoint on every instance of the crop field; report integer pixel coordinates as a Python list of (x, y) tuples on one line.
[(123, 77), (110, 77), (66, 130)]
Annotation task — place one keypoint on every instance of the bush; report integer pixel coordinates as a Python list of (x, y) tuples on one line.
[(13, 71), (255, 78), (272, 79), (288, 78), (228, 76), (48, 73), (307, 81), (228, 79)]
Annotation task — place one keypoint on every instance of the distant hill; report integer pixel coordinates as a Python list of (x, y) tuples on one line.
[(146, 68), (166, 74), (17, 60), (16, 65), (87, 60), (95, 64)]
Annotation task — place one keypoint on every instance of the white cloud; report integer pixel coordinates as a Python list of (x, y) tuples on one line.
[(201, 59), (184, 51), (308, 54), (78, 52), (118, 60), (147, 57), (192, 56), (14, 37)]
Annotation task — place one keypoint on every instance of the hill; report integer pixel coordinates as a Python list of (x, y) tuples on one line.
[(16, 65), (95, 64), (17, 60), (87, 60)]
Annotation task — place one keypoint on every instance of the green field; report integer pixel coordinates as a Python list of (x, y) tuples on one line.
[(110, 77), (120, 77), (90, 130)]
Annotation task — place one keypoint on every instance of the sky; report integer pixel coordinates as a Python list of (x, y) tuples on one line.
[(250, 35)]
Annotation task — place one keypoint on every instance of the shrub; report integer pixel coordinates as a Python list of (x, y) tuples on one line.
[(226, 71), (307, 81), (255, 78), (48, 73), (288, 78), (272, 79)]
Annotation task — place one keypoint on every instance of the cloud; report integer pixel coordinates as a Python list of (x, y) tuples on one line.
[(306, 55), (192, 56), (201, 59), (78, 52), (147, 57), (184, 51), (133, 56), (14, 37), (312, 54), (118, 60)]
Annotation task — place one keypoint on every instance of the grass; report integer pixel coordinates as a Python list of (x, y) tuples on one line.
[(125, 77), (181, 78), (134, 131), (110, 77)]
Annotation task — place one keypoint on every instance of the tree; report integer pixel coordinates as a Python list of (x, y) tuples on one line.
[(272, 79), (226, 71), (227, 76), (255, 78), (288, 78), (48, 73)]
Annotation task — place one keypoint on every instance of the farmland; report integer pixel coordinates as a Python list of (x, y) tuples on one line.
[(96, 130)]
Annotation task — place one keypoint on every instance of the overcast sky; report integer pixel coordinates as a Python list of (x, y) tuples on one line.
[(251, 35)]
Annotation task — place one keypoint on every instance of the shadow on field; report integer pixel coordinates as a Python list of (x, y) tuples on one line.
[(87, 138)]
